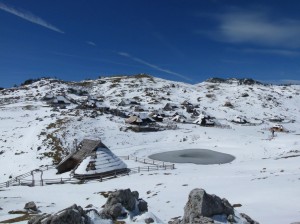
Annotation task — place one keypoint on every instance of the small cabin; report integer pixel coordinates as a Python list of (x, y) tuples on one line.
[(170, 106), (56, 101), (204, 120), (90, 159), (179, 118), (239, 120), (157, 117), (277, 128), (140, 119), (128, 102)]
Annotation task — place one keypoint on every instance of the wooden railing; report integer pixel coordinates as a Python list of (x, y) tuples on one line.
[(17, 180), (77, 179), (146, 161)]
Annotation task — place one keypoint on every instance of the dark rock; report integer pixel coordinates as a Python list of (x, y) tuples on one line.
[(38, 219), (142, 205), (31, 206), (112, 212), (175, 220), (203, 220), (125, 197), (116, 210), (149, 220), (121, 200), (135, 194), (202, 204), (231, 219), (236, 205), (71, 215), (248, 219)]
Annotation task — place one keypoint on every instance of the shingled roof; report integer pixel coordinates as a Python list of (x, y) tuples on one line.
[(84, 148)]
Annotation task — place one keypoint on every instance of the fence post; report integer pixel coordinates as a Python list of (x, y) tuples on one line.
[(173, 166), (138, 169), (128, 157), (144, 161), (32, 178), (148, 168), (136, 159), (61, 181), (42, 182), (153, 162), (115, 173)]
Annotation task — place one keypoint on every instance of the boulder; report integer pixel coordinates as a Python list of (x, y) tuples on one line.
[(38, 219), (125, 197), (122, 201), (31, 206), (142, 205), (248, 219), (112, 211), (201, 204), (203, 208), (72, 215), (149, 220)]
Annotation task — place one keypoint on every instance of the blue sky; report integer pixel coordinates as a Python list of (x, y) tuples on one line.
[(187, 41)]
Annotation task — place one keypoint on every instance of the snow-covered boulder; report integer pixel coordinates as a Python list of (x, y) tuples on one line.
[(31, 206), (205, 208), (123, 203), (202, 204)]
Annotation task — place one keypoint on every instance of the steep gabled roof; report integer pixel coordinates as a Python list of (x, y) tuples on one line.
[(84, 148), (101, 160)]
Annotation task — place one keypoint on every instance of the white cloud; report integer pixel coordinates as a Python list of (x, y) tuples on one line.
[(91, 43), (281, 52), (124, 54), (29, 17), (255, 27)]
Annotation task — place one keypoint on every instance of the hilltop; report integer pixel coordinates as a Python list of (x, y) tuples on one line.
[(41, 119)]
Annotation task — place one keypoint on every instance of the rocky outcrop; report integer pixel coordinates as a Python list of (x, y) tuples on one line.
[(122, 202), (248, 219), (72, 215), (200, 204), (203, 208), (244, 81), (31, 206)]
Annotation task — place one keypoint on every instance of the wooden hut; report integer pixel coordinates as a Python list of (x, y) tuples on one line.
[(90, 159)]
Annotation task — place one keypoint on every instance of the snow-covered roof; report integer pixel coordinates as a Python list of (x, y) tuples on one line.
[(59, 99), (101, 161), (133, 119)]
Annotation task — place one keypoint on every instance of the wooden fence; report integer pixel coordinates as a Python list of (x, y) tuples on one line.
[(18, 179), (78, 179), (146, 161)]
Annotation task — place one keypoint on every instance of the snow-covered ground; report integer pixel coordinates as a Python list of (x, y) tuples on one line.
[(264, 178)]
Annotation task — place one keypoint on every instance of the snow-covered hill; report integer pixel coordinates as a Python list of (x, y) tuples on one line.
[(264, 177)]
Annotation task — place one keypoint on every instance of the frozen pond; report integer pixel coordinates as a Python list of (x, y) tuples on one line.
[(196, 156)]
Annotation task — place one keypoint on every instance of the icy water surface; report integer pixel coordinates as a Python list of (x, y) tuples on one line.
[(196, 156)]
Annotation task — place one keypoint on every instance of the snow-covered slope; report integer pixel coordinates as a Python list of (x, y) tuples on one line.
[(264, 177)]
